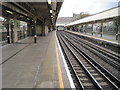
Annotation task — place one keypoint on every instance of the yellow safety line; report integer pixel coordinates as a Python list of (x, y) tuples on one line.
[(61, 85)]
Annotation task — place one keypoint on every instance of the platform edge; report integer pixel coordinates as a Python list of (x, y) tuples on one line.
[(65, 65)]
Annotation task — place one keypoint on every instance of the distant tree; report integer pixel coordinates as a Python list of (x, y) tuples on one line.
[(117, 23), (84, 14), (18, 23), (80, 16)]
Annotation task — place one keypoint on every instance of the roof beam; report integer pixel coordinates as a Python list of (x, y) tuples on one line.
[(9, 5), (23, 8)]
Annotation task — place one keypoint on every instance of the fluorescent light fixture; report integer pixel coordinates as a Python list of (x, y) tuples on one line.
[(50, 11), (52, 16), (49, 1), (21, 16), (9, 12)]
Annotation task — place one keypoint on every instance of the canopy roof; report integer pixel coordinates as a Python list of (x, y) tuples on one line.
[(108, 14)]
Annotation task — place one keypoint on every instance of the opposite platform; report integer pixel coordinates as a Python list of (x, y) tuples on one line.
[(105, 38)]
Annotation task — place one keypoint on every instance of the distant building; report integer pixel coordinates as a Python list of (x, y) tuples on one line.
[(76, 16), (62, 21)]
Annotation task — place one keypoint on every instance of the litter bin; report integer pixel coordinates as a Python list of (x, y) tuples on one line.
[(35, 38)]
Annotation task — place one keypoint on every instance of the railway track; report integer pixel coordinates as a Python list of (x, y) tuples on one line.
[(107, 45), (108, 56), (107, 52), (89, 76)]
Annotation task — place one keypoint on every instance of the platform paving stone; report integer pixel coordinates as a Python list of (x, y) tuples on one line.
[(33, 67)]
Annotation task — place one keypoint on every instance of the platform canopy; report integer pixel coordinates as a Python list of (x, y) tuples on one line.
[(32, 10), (105, 15)]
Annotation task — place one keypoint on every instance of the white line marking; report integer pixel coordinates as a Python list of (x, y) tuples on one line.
[(66, 66), (36, 79)]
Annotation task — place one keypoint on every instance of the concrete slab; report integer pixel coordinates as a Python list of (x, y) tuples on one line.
[(11, 49), (35, 66)]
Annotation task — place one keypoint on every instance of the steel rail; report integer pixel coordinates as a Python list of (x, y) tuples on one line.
[(109, 51), (105, 58), (97, 85), (98, 48), (67, 57), (113, 78)]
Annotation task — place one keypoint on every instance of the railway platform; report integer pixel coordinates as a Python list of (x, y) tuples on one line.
[(26, 64), (105, 41), (106, 38)]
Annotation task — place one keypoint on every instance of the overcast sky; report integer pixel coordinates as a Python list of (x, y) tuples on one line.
[(91, 6)]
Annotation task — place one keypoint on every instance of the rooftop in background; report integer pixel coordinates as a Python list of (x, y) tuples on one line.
[(64, 20)]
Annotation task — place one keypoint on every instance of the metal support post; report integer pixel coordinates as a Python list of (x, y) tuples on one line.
[(101, 29), (92, 29), (116, 36), (12, 26), (8, 36)]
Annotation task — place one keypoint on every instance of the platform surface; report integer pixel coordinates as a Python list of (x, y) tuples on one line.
[(30, 65)]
